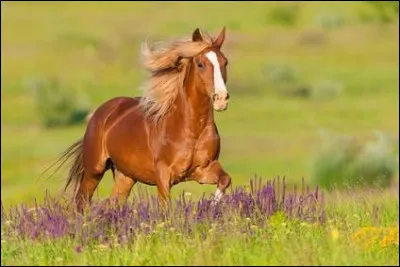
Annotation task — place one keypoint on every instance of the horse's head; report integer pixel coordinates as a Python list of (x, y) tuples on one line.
[(210, 65)]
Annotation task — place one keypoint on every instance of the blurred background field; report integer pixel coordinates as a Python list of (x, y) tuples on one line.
[(313, 85)]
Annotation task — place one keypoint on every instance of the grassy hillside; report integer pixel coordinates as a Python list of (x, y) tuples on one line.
[(94, 48)]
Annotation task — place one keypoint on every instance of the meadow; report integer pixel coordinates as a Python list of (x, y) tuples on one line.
[(269, 129)]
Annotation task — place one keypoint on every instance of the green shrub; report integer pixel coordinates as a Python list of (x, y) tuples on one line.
[(284, 14), (284, 79), (234, 25), (277, 73), (377, 160), (325, 89), (344, 161), (313, 37), (329, 20), (382, 12), (58, 105)]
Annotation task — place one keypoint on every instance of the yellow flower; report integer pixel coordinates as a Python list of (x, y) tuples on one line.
[(254, 227), (369, 236), (102, 247), (335, 234), (392, 238), (161, 225), (305, 224), (385, 242)]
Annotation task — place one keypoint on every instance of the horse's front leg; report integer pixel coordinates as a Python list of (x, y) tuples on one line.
[(213, 174), (163, 183)]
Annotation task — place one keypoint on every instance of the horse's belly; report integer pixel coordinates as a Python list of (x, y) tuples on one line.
[(134, 160), (128, 150), (138, 170)]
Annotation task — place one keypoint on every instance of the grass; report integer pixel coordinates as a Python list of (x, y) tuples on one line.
[(355, 232), (94, 48), (316, 247)]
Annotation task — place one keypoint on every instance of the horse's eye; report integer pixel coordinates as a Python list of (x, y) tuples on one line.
[(200, 65)]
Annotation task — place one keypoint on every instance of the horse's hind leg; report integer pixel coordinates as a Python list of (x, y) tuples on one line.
[(122, 186), (86, 189), (95, 165)]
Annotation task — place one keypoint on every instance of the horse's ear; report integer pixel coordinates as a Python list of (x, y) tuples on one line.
[(196, 37), (220, 39)]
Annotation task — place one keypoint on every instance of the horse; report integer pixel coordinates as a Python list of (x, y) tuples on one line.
[(166, 136)]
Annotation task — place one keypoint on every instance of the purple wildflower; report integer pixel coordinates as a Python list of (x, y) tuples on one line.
[(109, 220), (78, 249)]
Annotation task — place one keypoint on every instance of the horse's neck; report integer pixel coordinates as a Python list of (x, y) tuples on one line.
[(197, 106)]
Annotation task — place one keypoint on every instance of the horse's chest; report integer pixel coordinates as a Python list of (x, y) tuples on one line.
[(193, 152), (206, 148), (204, 151)]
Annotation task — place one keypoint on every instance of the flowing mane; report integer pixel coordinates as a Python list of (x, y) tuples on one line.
[(167, 65)]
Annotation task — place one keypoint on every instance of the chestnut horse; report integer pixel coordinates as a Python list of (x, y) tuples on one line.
[(165, 137)]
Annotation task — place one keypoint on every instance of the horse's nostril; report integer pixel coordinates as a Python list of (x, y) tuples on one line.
[(220, 96)]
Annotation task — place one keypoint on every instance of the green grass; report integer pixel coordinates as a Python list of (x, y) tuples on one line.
[(94, 47), (315, 247), (277, 135), (282, 242)]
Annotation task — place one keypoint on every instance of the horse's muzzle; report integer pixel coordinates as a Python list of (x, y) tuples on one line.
[(220, 101)]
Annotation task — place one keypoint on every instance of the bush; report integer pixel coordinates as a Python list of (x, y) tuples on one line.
[(234, 25), (285, 79), (329, 20), (377, 160), (57, 104), (284, 14), (343, 161), (278, 73), (313, 37), (325, 89), (382, 12)]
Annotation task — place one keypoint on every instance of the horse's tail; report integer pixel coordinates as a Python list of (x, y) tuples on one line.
[(76, 171)]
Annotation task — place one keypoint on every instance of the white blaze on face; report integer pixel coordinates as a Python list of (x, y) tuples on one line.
[(219, 85)]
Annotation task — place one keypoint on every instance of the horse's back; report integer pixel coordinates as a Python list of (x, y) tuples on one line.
[(115, 104), (108, 110)]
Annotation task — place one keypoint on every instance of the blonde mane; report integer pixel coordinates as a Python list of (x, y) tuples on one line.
[(167, 65)]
